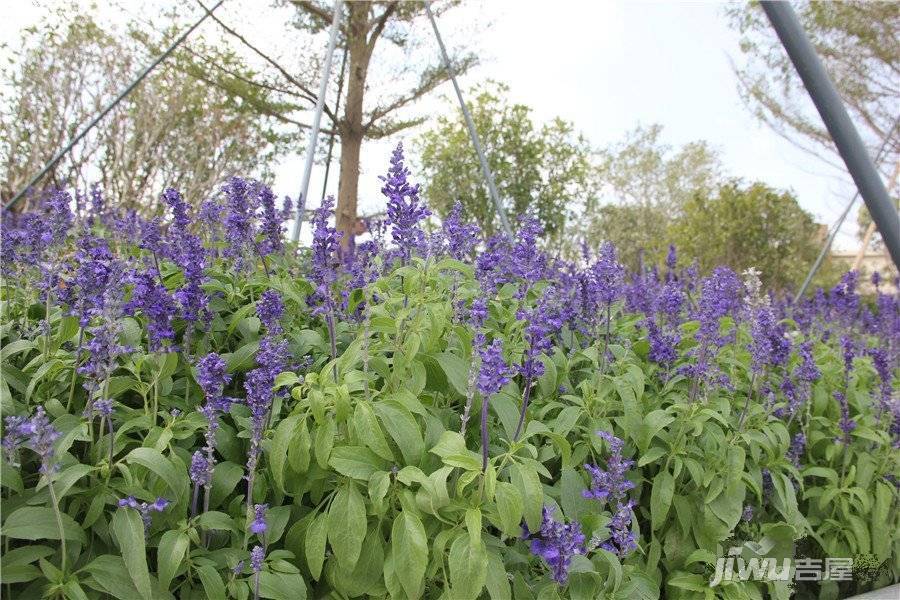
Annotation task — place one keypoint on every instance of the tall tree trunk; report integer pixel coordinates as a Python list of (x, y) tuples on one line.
[(351, 127)]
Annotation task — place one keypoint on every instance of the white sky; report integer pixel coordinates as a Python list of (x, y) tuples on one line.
[(606, 66)]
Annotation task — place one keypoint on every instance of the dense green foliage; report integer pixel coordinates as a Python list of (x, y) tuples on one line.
[(372, 490), (745, 226), (541, 169)]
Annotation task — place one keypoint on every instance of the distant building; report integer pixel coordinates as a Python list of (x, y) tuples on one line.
[(873, 260)]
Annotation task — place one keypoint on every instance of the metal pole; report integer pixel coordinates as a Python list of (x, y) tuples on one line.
[(317, 118), (470, 125), (58, 156), (337, 108), (829, 240), (837, 121)]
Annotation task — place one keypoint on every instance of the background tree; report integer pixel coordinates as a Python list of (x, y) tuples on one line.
[(859, 43), (174, 129), (645, 184), (540, 169), (371, 111), (745, 226)]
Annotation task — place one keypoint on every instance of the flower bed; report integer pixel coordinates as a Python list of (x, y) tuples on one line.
[(428, 415)]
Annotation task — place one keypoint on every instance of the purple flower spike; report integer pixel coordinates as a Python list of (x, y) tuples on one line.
[(556, 543), (257, 555), (404, 209), (258, 525)]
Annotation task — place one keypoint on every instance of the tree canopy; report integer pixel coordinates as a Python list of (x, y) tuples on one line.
[(543, 169), (749, 225), (68, 69)]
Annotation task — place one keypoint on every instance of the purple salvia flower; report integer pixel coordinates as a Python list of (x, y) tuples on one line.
[(159, 505), (200, 471), (556, 543), (493, 375), (270, 309), (846, 424), (258, 525), (747, 514), (325, 258), (404, 209), (153, 300), (881, 362), (238, 222), (798, 447), (610, 484), (608, 276), (621, 541), (257, 555), (36, 433), (270, 223), (461, 237), (526, 260)]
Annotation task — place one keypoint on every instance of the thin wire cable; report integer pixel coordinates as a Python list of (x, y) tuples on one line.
[(122, 95), (470, 125)]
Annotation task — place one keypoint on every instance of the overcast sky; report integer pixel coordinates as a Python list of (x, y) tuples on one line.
[(606, 66)]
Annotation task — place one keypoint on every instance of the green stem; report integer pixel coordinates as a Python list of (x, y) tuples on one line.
[(59, 524), (75, 370)]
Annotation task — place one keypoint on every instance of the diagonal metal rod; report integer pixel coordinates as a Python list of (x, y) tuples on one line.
[(58, 156), (470, 125), (829, 240), (337, 108), (831, 108), (317, 118)]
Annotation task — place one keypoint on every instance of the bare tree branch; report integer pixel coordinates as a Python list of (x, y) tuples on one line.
[(322, 15), (307, 93), (380, 23)]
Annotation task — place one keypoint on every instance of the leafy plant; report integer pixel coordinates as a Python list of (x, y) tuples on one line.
[(299, 427)]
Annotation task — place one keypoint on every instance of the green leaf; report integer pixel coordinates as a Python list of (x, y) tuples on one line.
[(176, 478), (220, 521), (298, 450), (278, 450), (225, 478), (528, 484), (661, 494), (510, 508), (456, 370), (369, 431), (347, 525), (468, 568), (315, 544), (409, 548), (24, 556), (128, 529), (212, 582), (357, 462), (111, 575), (39, 523), (496, 580), (325, 442), (625, 386), (281, 586), (403, 428), (172, 548), (881, 535)]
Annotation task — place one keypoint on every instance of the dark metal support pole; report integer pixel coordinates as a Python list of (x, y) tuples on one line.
[(485, 169), (58, 156), (837, 121), (829, 240)]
